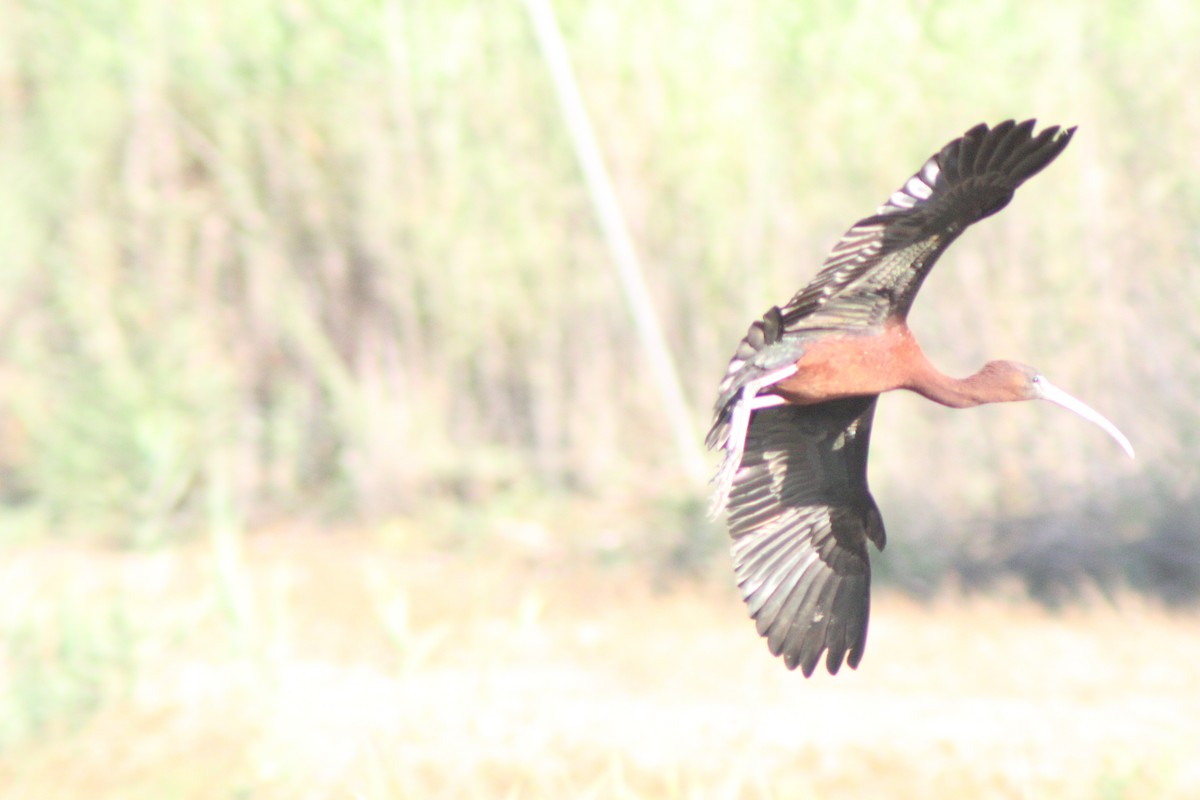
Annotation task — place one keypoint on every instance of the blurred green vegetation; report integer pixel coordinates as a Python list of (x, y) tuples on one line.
[(64, 662), (336, 258)]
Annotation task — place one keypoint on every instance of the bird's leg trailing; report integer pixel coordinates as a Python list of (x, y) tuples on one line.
[(739, 421)]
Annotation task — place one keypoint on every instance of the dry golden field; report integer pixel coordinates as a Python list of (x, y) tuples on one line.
[(303, 665)]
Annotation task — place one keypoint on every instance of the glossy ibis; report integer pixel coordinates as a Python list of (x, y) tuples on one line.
[(794, 412)]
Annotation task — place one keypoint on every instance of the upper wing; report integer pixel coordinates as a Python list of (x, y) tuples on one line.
[(876, 268), (801, 514)]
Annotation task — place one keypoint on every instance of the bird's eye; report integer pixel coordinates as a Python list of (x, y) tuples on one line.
[(1037, 379)]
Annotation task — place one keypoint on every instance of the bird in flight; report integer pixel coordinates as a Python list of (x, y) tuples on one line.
[(793, 413)]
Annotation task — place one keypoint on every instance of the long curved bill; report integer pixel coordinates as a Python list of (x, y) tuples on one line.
[(1048, 391)]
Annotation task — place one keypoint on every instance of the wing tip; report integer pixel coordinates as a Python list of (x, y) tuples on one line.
[(834, 659), (833, 624), (1009, 148)]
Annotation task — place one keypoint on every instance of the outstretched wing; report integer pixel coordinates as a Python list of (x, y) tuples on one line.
[(876, 268), (800, 516), (874, 271)]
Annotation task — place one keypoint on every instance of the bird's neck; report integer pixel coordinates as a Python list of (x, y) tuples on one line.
[(953, 392)]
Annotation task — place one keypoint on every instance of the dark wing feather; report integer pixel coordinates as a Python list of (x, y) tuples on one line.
[(800, 516), (875, 270)]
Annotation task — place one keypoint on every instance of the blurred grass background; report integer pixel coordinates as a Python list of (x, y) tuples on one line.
[(332, 264), (337, 259)]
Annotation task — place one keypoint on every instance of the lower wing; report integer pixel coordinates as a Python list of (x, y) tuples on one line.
[(800, 515)]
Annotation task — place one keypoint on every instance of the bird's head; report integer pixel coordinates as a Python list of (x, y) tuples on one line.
[(1012, 380)]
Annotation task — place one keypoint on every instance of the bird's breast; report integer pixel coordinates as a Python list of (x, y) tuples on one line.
[(851, 365)]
